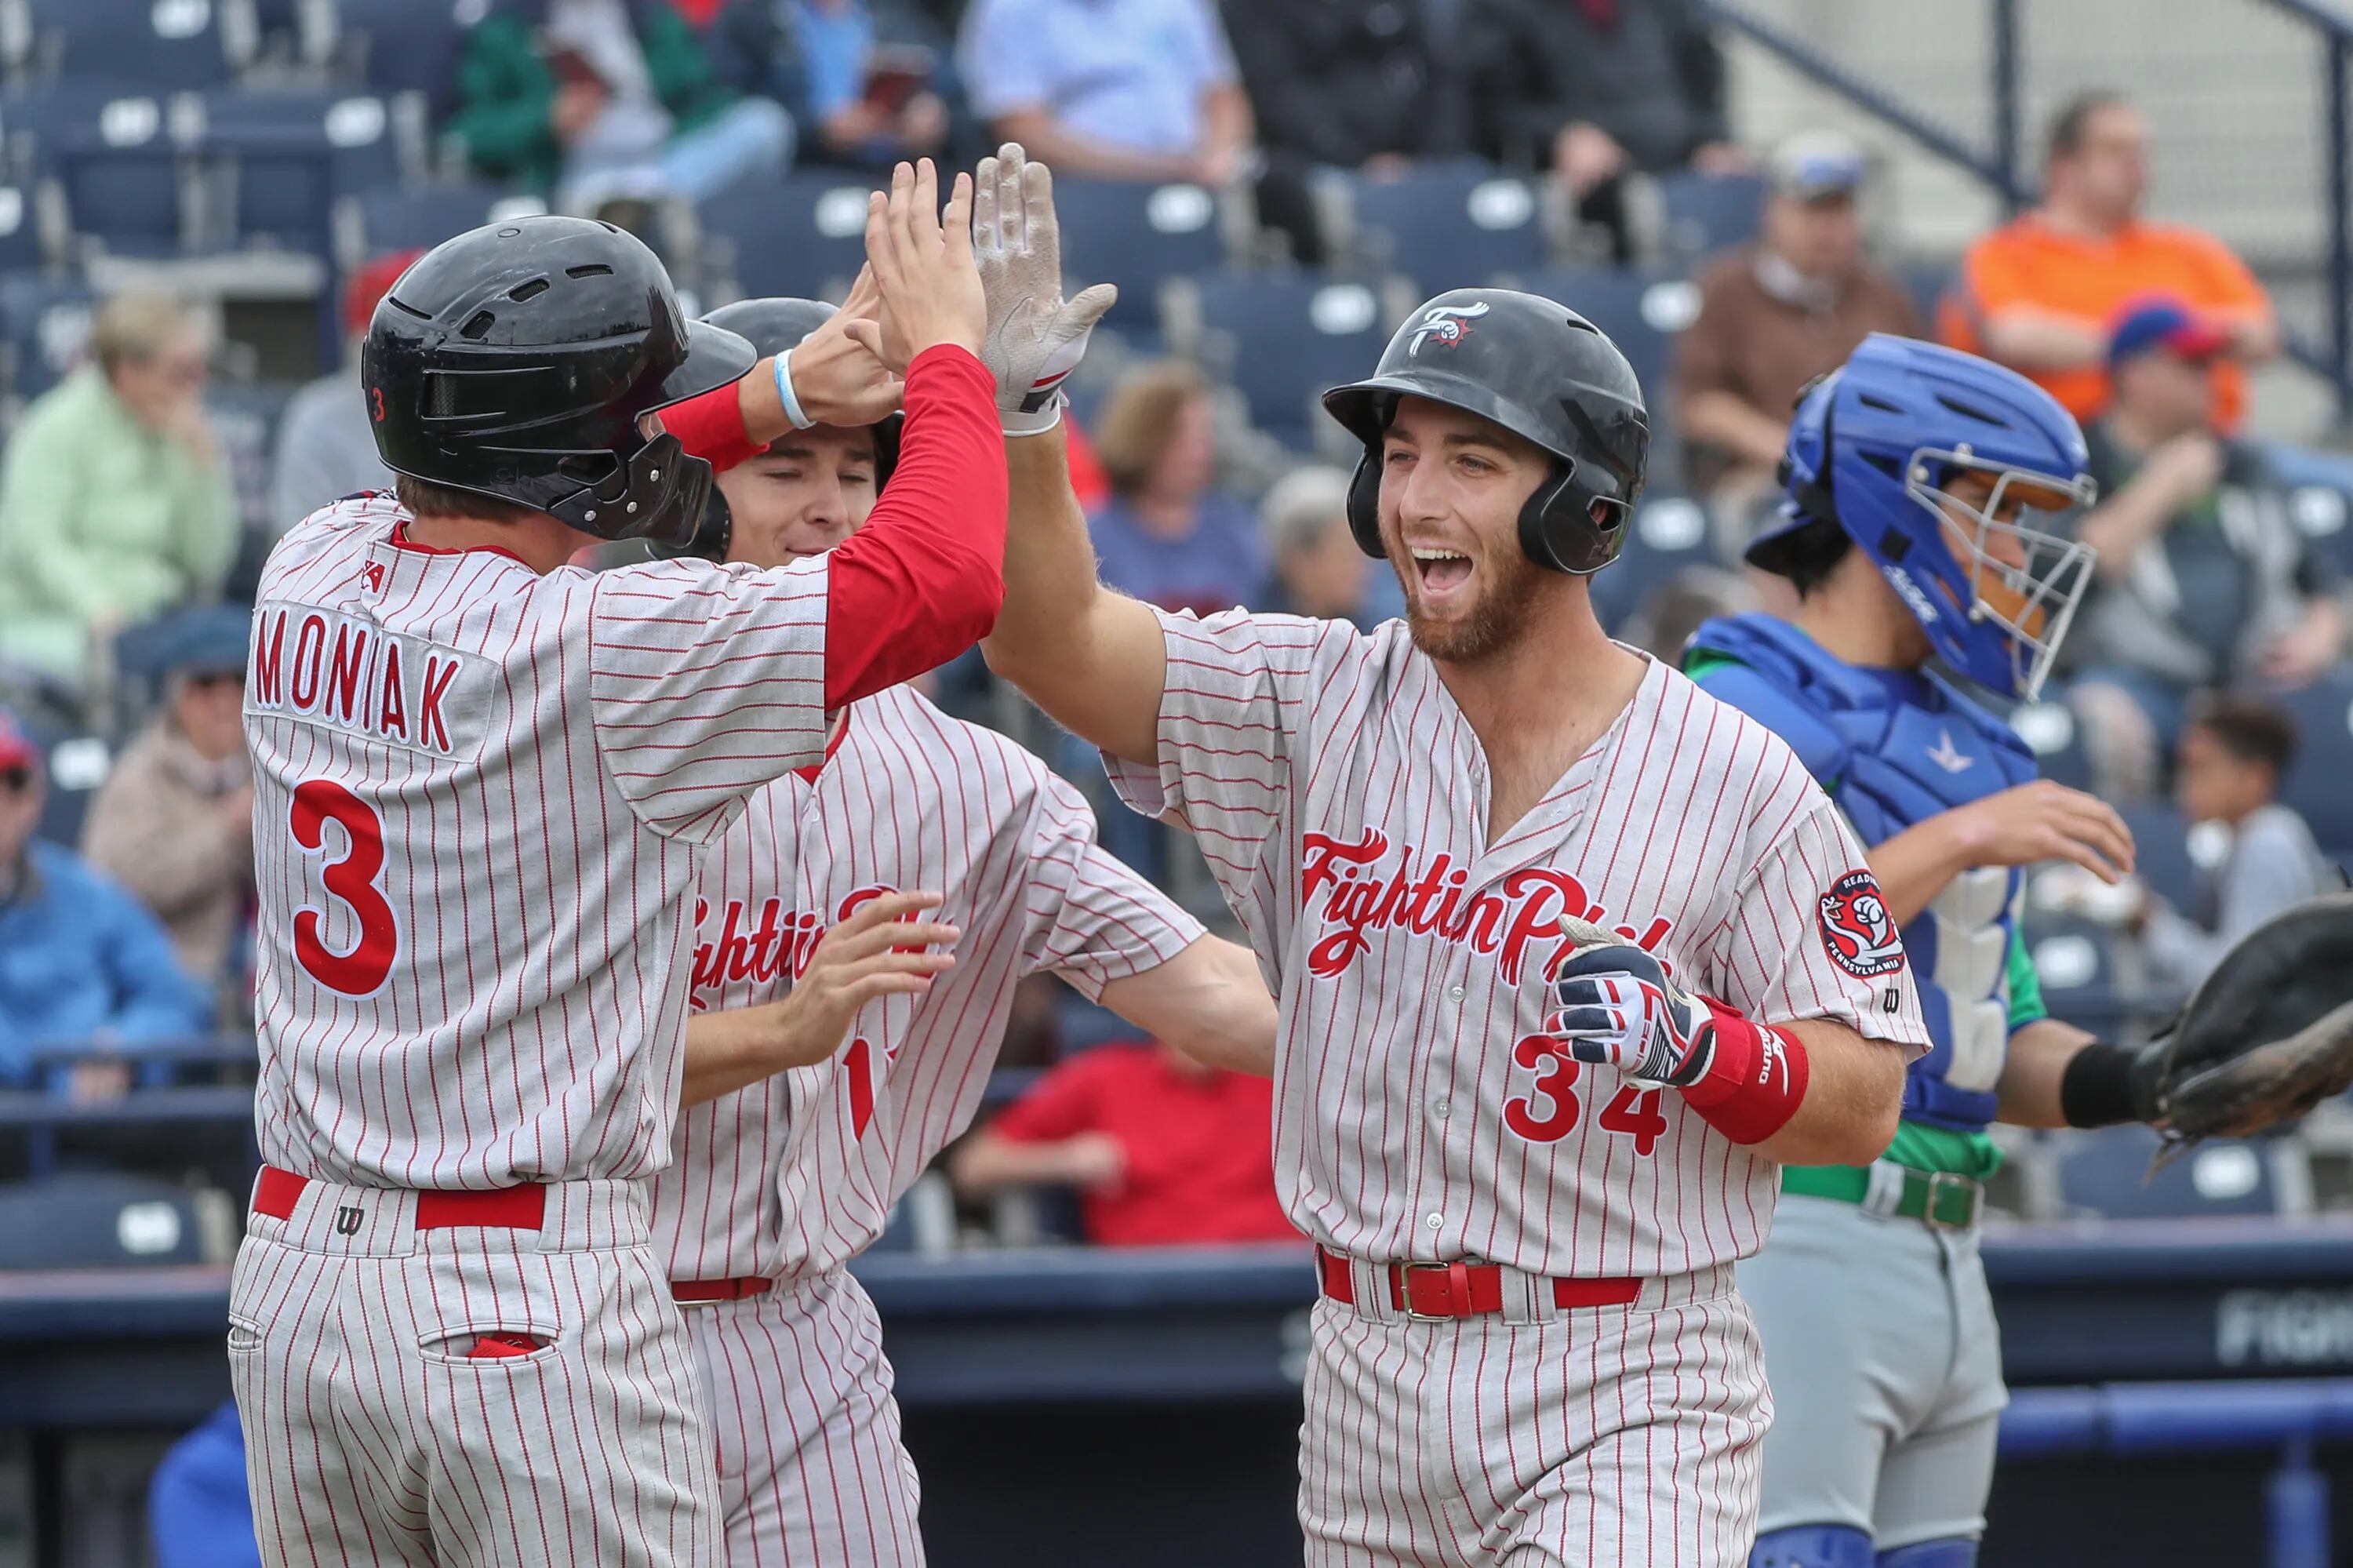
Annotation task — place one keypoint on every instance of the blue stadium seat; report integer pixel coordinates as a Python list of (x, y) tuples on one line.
[(1282, 338), (128, 198), (1707, 213), (1137, 236), (292, 152), (43, 328), (405, 45), (2056, 735), (1928, 282), (1671, 532), (2161, 851), (418, 217), (76, 764), (2315, 783), (1449, 225), (36, 115), (21, 249), (167, 44), (2107, 1173), (1642, 308), (805, 235), (104, 1220), (2076, 962), (2319, 497), (245, 417)]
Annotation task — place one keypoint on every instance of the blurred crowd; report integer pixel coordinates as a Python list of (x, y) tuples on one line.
[(126, 888)]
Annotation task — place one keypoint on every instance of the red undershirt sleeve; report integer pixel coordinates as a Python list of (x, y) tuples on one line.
[(710, 425)]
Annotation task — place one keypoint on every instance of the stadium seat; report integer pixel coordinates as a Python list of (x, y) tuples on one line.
[(1137, 236), (127, 198), (2050, 726), (21, 249), (2076, 961), (2106, 1172), (167, 44), (1703, 214), (1670, 533), (43, 328), (418, 217), (245, 417), (104, 1220), (2161, 851), (34, 116), (1450, 224), (2315, 783), (2319, 497), (804, 235), (1642, 308), (75, 763), (401, 46), (1282, 338)]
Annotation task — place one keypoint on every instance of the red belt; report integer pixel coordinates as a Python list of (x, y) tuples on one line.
[(500, 1208), (1463, 1289), (687, 1292)]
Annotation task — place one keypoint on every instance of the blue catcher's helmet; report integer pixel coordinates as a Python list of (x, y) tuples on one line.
[(1877, 448)]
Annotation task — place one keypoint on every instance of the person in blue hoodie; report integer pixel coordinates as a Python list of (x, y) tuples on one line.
[(82, 963), (1923, 527)]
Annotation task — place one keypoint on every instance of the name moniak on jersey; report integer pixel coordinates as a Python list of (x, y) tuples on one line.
[(318, 667)]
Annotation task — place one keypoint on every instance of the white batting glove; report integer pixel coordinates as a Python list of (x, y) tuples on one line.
[(1618, 1009), (1036, 337)]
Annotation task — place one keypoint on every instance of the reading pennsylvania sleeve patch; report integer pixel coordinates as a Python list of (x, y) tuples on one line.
[(1857, 930)]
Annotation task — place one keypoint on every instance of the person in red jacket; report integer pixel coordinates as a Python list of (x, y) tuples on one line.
[(1162, 1150)]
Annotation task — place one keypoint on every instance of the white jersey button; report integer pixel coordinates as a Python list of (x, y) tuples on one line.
[(1454, 992), (1434, 1221)]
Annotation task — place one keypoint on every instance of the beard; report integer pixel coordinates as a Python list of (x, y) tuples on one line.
[(1491, 624)]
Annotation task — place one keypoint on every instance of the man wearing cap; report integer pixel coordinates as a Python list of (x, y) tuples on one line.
[(326, 447), (173, 823), (82, 963), (1775, 314), (2202, 577)]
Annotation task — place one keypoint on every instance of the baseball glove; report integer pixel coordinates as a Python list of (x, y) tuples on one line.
[(2268, 1034)]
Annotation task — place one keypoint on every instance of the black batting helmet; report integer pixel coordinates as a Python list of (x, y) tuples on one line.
[(516, 361), (773, 325), (1541, 371)]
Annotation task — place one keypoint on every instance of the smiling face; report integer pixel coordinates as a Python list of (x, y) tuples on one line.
[(1452, 485), (804, 494)]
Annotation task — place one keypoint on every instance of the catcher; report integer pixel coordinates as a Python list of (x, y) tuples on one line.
[(1922, 485)]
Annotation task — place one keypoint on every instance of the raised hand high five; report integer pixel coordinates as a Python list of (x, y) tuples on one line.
[(922, 263), (1035, 336)]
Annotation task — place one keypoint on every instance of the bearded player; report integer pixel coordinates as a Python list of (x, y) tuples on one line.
[(818, 924), (483, 782), (1528, 1160), (1926, 489)]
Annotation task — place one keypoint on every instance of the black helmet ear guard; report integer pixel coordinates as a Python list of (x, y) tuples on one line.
[(1537, 369)]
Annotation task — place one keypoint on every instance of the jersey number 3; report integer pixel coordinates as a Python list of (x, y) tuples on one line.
[(350, 877)]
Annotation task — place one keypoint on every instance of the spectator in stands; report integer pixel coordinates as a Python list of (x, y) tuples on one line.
[(174, 821), (82, 963), (605, 101), (2041, 292), (115, 501), (1319, 569), (1368, 85), (1162, 1150), (865, 80), (2232, 756), (326, 443), (1167, 536), (1121, 90), (2202, 577), (199, 1507), (1775, 314), (1595, 90)]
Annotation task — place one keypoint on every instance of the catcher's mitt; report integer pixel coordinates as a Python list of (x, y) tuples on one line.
[(2268, 1034)]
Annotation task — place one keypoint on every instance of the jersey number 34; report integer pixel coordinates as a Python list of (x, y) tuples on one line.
[(1548, 1110), (350, 878)]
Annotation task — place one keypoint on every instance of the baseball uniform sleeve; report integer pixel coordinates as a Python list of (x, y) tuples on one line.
[(706, 684), (1781, 958), (1089, 918)]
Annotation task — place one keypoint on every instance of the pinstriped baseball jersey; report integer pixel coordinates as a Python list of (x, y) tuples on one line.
[(1340, 797), (797, 1174), (481, 794)]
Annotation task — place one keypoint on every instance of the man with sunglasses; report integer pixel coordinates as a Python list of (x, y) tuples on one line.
[(82, 963), (174, 821), (1922, 485)]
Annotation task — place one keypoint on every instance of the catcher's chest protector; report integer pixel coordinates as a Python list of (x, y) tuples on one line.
[(1893, 752)]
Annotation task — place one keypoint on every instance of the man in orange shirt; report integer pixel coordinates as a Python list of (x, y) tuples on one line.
[(2039, 293)]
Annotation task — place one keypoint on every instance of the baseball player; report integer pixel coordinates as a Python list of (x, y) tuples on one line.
[(1921, 485), (780, 1182), (1528, 1160), (484, 783)]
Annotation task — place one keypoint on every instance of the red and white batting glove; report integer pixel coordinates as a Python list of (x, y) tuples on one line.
[(1035, 338), (1618, 1009)]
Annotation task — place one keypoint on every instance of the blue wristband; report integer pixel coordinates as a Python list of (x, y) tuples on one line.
[(793, 414)]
